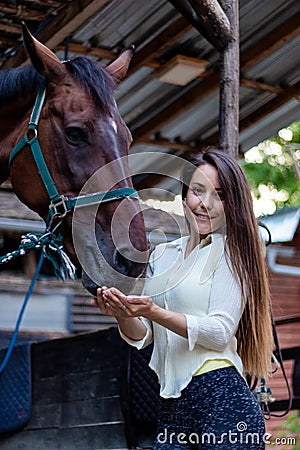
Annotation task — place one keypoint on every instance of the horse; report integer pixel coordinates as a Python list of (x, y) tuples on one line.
[(83, 144)]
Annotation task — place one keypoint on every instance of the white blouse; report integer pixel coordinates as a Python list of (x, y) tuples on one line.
[(203, 288)]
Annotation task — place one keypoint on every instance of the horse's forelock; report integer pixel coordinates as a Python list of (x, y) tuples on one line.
[(94, 79)]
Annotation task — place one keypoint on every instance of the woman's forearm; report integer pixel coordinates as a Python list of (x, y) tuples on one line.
[(132, 327), (173, 321)]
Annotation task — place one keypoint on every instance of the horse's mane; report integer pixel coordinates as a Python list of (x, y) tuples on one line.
[(19, 81), (87, 72)]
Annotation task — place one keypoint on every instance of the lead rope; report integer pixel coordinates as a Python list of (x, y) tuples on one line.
[(51, 249), (16, 331)]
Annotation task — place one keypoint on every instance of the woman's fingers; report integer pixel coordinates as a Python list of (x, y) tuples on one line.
[(115, 298), (113, 302), (139, 299), (116, 293), (100, 302)]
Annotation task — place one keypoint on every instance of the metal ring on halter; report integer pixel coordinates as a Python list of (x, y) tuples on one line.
[(123, 307)]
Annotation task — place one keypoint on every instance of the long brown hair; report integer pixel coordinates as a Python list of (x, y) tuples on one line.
[(244, 248)]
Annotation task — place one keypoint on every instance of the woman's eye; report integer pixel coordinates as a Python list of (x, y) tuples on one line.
[(75, 135), (198, 191)]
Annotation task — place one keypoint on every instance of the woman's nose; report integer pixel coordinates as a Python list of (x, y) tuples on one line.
[(206, 201)]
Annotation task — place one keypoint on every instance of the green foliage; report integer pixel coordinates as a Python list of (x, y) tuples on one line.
[(289, 432), (270, 166)]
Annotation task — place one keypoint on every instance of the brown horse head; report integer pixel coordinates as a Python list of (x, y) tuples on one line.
[(85, 143)]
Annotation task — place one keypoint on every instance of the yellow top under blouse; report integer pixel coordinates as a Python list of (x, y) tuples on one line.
[(212, 364)]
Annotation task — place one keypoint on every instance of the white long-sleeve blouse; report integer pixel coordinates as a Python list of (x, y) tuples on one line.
[(203, 288)]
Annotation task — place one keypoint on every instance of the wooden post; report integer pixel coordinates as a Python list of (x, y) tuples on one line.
[(229, 84)]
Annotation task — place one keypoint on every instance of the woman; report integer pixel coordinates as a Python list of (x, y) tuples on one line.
[(206, 308)]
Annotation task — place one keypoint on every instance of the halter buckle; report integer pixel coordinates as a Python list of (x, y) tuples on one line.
[(59, 208)]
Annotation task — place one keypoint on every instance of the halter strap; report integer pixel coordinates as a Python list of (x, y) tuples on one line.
[(59, 205), (35, 148)]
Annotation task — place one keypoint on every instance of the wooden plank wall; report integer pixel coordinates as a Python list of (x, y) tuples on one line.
[(285, 294), (76, 395)]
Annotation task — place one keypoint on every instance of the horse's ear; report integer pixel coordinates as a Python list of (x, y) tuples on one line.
[(118, 68), (42, 58)]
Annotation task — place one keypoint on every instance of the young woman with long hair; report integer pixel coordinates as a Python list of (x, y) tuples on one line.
[(205, 306)]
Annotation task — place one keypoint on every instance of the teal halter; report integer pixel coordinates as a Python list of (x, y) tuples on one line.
[(60, 205)]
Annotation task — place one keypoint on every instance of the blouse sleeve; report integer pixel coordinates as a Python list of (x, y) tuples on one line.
[(215, 330), (148, 338)]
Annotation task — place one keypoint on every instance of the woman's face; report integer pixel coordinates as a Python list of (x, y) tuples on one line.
[(204, 201)]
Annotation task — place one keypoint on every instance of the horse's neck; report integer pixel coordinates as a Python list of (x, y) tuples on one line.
[(13, 118)]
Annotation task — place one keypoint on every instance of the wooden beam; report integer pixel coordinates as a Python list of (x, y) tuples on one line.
[(100, 53), (9, 27), (260, 86), (26, 13), (270, 42), (214, 21), (70, 18), (229, 84), (55, 3), (97, 52)]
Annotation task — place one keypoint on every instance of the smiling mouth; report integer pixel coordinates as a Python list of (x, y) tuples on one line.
[(203, 216)]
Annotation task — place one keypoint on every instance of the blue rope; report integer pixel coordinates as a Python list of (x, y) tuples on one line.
[(51, 247), (16, 331)]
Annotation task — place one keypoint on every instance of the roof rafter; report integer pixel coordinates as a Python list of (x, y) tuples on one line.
[(97, 52)]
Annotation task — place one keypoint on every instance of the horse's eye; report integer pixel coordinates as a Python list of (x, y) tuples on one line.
[(75, 135)]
